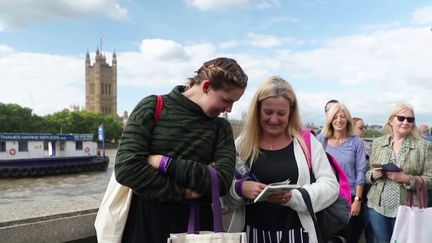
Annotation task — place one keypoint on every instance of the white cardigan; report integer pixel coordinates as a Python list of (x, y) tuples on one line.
[(322, 193)]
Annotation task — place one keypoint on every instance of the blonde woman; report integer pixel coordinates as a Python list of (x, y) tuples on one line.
[(339, 140), (402, 146), (269, 147)]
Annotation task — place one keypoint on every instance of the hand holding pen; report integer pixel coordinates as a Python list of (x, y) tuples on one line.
[(251, 188)]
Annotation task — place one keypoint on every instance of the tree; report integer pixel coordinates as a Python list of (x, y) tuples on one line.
[(17, 119), (14, 118)]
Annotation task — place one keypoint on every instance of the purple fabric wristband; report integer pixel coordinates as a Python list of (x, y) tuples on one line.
[(238, 188), (163, 164)]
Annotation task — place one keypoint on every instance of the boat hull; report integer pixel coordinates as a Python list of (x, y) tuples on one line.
[(37, 167)]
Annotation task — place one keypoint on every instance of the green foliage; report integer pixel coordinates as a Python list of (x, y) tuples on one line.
[(14, 118), (373, 133)]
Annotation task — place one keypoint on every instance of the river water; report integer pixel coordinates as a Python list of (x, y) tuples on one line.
[(55, 187)]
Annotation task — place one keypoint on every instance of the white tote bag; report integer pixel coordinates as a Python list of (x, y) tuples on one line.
[(413, 224), (208, 237), (113, 211), (218, 236)]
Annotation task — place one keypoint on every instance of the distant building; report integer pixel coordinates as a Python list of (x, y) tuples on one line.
[(125, 118), (101, 84), (74, 108)]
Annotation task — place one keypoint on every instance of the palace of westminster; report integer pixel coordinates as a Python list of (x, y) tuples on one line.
[(101, 85)]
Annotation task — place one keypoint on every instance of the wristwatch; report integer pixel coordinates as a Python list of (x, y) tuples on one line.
[(356, 198)]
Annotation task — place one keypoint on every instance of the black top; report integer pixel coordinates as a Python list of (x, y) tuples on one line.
[(274, 166)]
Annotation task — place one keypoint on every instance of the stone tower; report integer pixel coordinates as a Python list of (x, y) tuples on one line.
[(101, 84)]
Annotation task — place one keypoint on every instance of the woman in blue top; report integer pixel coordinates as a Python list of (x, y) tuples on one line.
[(339, 140)]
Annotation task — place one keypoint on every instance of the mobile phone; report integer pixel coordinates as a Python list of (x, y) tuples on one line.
[(391, 167), (376, 165)]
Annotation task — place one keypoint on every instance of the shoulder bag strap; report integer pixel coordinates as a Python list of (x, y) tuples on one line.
[(159, 106), (308, 203), (306, 133), (217, 212)]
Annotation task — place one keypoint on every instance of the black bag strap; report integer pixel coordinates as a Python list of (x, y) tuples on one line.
[(308, 203)]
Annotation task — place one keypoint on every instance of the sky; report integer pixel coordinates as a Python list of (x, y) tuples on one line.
[(370, 55)]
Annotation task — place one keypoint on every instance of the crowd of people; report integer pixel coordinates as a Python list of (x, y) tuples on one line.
[(165, 163)]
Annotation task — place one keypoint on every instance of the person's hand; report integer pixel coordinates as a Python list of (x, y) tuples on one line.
[(192, 194), (154, 160), (355, 208), (280, 198), (398, 177), (377, 173), (251, 189)]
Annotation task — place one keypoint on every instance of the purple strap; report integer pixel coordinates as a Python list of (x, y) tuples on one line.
[(217, 213), (163, 164), (420, 191), (193, 219)]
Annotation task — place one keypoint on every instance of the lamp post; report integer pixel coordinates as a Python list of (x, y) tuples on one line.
[(101, 137)]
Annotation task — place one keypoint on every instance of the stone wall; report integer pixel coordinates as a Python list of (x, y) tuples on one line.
[(68, 220), (50, 221)]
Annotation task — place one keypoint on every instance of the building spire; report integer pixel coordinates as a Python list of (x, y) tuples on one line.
[(101, 40)]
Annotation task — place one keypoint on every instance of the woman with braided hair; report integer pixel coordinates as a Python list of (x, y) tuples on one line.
[(166, 164)]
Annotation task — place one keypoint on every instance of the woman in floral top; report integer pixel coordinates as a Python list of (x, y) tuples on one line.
[(402, 146)]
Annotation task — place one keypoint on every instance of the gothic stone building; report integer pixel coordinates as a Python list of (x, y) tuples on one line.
[(101, 84)]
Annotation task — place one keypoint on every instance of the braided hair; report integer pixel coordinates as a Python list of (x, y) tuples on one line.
[(223, 73)]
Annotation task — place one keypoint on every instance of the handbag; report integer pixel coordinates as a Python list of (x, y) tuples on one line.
[(333, 218), (113, 212), (413, 223), (215, 236)]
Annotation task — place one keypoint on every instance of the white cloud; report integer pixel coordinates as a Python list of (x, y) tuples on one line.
[(265, 4), (162, 49), (220, 5), (277, 20), (229, 44), (367, 59), (265, 41), (216, 5), (38, 81), (5, 49), (422, 16), (19, 13), (370, 72), (382, 26)]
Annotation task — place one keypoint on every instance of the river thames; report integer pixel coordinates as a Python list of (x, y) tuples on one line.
[(55, 187)]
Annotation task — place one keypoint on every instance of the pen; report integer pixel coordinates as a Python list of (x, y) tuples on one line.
[(254, 177)]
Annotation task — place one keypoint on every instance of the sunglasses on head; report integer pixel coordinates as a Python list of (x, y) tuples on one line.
[(408, 118)]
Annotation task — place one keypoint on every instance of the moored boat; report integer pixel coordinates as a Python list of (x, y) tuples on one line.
[(37, 154)]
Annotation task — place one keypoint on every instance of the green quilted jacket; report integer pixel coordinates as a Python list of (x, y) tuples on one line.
[(184, 133), (415, 160)]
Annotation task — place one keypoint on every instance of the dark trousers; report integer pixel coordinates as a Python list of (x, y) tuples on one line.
[(353, 230), (429, 204), (152, 222)]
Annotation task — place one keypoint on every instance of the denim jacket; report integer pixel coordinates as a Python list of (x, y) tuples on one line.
[(415, 159)]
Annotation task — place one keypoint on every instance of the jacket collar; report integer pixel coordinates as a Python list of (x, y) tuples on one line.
[(386, 141)]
